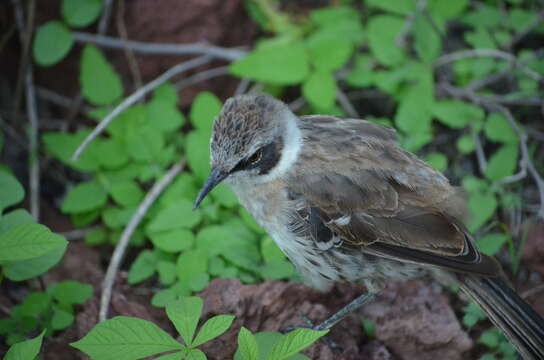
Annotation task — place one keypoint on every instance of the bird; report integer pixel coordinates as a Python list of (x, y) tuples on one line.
[(346, 203)]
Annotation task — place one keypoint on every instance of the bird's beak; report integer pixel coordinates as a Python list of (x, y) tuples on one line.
[(216, 176)]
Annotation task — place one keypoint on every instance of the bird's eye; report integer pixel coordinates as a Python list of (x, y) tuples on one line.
[(256, 157)]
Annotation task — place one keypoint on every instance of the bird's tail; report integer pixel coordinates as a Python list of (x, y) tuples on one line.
[(518, 321)]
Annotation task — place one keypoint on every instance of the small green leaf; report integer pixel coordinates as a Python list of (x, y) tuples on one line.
[(81, 13), (224, 196), (61, 319), (320, 89), (447, 9), (173, 241), (167, 272), (31, 268), (498, 129), (270, 250), (502, 163), (15, 218), (383, 31), (196, 354), (95, 237), (330, 55), (197, 148), (143, 267), (52, 42), (490, 338), (491, 244), (277, 270), (71, 292), (279, 64), (247, 345), (166, 92), (164, 115), (34, 304), (206, 106), (212, 328), (457, 114), (482, 206), (26, 350), (191, 263), (111, 153), (331, 15), (184, 314), (437, 160), (427, 42), (126, 338), (84, 197), (126, 193), (465, 144), (294, 342), (29, 241), (63, 145), (175, 216), (369, 327), (404, 7), (100, 84), (12, 191)]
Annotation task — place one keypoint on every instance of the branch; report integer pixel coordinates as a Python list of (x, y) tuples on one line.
[(105, 18), (463, 54), (31, 109), (346, 105), (201, 76), (409, 23), (160, 49), (177, 69), (121, 247), (527, 29)]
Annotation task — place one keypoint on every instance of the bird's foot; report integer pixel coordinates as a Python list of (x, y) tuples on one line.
[(310, 326)]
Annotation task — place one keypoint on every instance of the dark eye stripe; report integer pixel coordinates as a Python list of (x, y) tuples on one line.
[(270, 157)]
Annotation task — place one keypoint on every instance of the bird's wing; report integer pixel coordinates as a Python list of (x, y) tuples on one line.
[(353, 177)]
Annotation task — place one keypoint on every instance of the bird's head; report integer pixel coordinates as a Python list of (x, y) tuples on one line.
[(253, 141)]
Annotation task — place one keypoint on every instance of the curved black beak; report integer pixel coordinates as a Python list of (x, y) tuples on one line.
[(216, 176)]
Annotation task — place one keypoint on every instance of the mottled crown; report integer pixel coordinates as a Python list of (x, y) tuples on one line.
[(246, 123)]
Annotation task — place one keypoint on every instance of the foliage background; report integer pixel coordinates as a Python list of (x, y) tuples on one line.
[(461, 81)]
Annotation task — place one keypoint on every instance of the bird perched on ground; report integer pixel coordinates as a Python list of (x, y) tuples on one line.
[(345, 203)]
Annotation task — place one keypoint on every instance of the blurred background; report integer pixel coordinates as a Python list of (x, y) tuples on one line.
[(461, 81)]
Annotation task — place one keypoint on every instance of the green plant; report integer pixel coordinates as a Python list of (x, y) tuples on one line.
[(25, 350), (51, 310)]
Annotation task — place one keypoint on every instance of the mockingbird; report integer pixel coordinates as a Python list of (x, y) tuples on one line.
[(345, 203)]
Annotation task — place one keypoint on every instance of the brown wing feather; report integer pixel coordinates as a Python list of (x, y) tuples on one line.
[(397, 205)]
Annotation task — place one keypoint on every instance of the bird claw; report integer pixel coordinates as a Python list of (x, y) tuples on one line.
[(326, 339)]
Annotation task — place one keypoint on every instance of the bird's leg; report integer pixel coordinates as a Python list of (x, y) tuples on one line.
[(342, 313)]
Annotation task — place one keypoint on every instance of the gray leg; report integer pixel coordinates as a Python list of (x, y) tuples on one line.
[(335, 318)]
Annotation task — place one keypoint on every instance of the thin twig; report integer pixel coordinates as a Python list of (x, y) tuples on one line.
[(242, 87), (160, 49), (467, 93), (346, 105), (77, 234), (31, 109), (60, 100), (409, 23), (138, 94), (105, 17), (526, 30), (129, 54), (201, 76), (533, 291), (10, 131), (297, 104), (121, 247), (463, 54), (480, 155)]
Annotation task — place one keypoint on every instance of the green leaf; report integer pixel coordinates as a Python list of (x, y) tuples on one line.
[(279, 64), (361, 72), (502, 163), (144, 143), (427, 42), (383, 31), (63, 145), (29, 241), (167, 272), (294, 342), (330, 15), (369, 327), (490, 338), (143, 267), (163, 115), (329, 55), (34, 304), (482, 206), (457, 114), (224, 196), (206, 106), (212, 328), (15, 218), (491, 244), (498, 129), (71, 292), (184, 314), (100, 84), (172, 241), (111, 153), (126, 338), (437, 160), (84, 197), (28, 269), (270, 250), (126, 193), (414, 112), (197, 149), (191, 263), (166, 92), (51, 43), (196, 354), (61, 319), (95, 237), (403, 7), (81, 13), (26, 350), (465, 144), (277, 270), (247, 345), (175, 216), (447, 9), (12, 191), (320, 89)]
